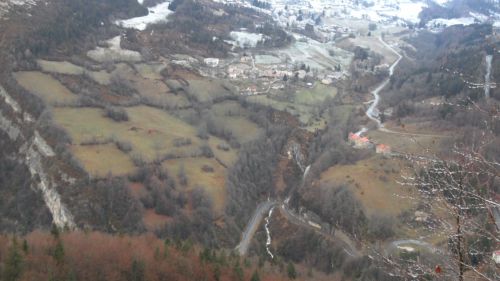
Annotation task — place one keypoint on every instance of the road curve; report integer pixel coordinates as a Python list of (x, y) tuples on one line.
[(246, 237), (337, 236), (413, 242)]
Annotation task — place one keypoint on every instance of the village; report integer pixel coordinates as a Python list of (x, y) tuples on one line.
[(260, 72)]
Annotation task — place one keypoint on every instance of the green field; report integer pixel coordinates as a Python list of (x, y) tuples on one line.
[(157, 92), (208, 90), (149, 85), (150, 71), (62, 67), (241, 128), (150, 131), (228, 108), (304, 113), (214, 183), (45, 86), (316, 95), (374, 182), (100, 160), (226, 157)]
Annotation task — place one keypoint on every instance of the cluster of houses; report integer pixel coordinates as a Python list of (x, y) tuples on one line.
[(245, 69), (361, 142)]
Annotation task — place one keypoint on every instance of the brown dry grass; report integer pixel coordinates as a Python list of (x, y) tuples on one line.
[(44, 86), (100, 160), (373, 181), (214, 183)]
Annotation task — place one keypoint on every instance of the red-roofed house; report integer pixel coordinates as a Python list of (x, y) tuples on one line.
[(496, 257), (359, 141), (383, 149)]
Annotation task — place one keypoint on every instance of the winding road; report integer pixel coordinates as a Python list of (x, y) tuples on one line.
[(252, 225), (349, 246), (372, 111), (263, 208), (337, 236)]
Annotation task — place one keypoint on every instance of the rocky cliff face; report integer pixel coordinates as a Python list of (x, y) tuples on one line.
[(30, 150)]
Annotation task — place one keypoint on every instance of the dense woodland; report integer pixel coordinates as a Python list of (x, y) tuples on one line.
[(458, 56), (457, 9), (51, 33), (197, 28)]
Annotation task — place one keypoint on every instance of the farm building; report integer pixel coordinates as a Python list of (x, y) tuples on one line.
[(212, 62), (359, 142), (496, 257), (383, 149)]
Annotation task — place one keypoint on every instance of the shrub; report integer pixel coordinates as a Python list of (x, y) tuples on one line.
[(124, 146), (380, 227), (117, 114)]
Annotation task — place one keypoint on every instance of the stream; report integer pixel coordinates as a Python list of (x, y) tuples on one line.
[(487, 77), (268, 233)]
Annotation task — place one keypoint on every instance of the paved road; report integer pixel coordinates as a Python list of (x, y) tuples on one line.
[(414, 242), (372, 111), (389, 131), (247, 235), (337, 236)]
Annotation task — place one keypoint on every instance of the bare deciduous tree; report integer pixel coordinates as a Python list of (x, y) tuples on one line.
[(462, 186)]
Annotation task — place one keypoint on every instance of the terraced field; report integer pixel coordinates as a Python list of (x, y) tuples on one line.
[(303, 104), (46, 87), (316, 95), (204, 173), (374, 182), (101, 160), (151, 132)]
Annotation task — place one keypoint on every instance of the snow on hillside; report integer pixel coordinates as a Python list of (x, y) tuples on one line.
[(246, 39), (442, 2), (299, 13), (155, 14), (374, 10), (449, 22), (7, 5)]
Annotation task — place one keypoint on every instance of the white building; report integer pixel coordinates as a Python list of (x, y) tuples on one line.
[(211, 62), (496, 257)]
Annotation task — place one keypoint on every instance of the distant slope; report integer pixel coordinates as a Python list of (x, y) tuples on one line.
[(477, 10)]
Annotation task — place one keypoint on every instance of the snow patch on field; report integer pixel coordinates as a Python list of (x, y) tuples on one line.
[(449, 22), (406, 10), (316, 54), (442, 2), (155, 14), (246, 39), (114, 52)]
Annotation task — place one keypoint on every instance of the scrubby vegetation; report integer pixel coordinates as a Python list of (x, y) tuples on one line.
[(98, 256), (448, 59)]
